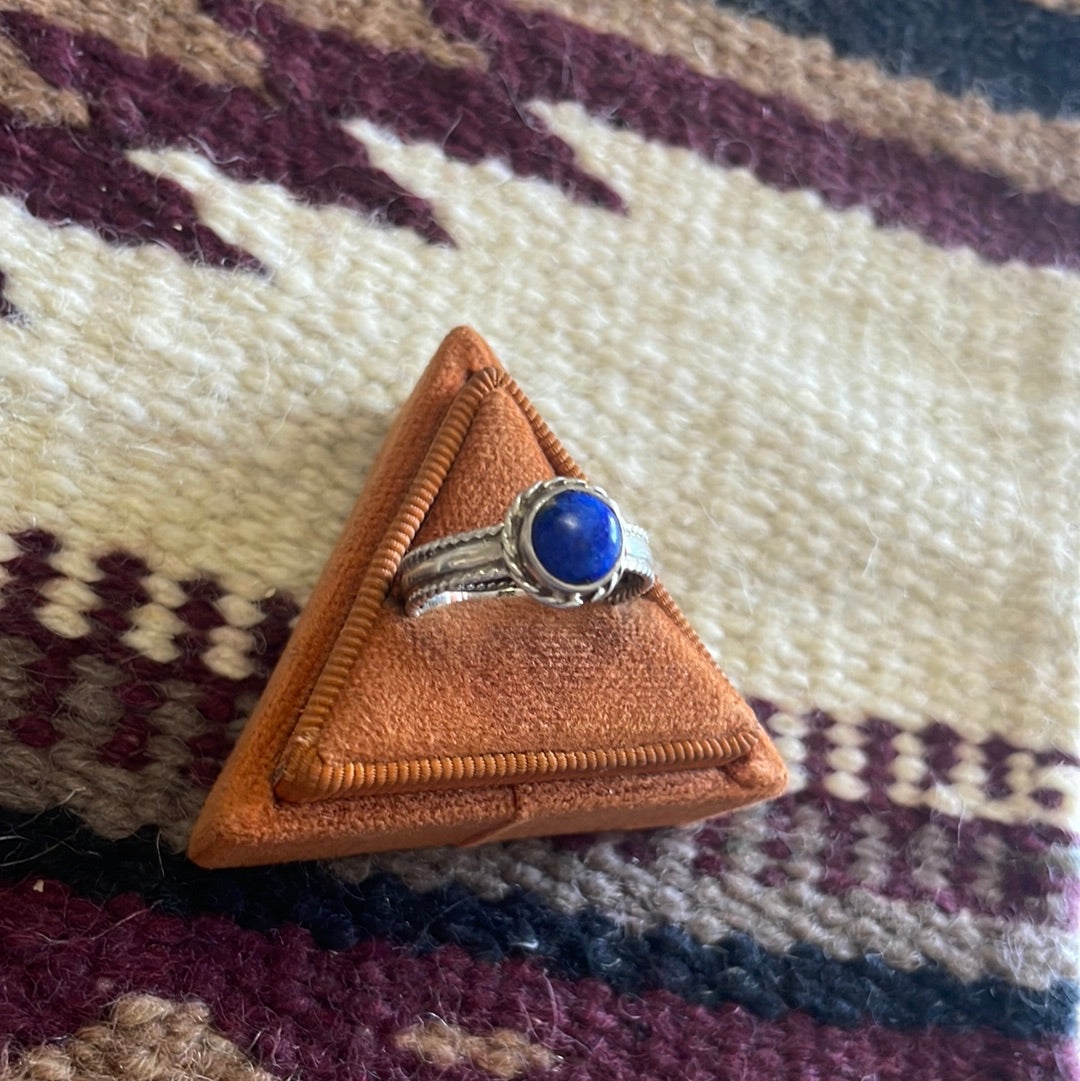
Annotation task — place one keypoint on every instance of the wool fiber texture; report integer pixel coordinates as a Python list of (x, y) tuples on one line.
[(799, 283)]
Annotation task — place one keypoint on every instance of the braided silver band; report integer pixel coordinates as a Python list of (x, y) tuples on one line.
[(501, 560)]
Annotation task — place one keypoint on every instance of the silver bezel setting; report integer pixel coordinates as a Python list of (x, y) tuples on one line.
[(525, 568)]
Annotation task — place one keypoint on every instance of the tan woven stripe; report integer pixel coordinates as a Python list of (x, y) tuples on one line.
[(172, 28), (502, 1052), (178, 30), (387, 24), (143, 1038), (1033, 153), (25, 92)]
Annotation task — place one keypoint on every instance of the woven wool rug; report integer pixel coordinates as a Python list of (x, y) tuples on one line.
[(799, 282)]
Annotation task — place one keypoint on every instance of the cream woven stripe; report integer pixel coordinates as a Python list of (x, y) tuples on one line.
[(849, 446)]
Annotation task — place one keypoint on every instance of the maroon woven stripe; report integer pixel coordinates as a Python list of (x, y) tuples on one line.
[(84, 178), (154, 103), (539, 55), (918, 854), (325, 1015), (942, 749), (317, 77), (471, 115), (50, 675)]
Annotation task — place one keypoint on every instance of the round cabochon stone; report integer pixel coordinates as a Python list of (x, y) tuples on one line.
[(576, 537)]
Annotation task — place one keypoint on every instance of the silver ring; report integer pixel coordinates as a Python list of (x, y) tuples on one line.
[(562, 542)]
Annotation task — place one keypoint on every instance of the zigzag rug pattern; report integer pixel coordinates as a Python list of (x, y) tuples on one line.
[(797, 281)]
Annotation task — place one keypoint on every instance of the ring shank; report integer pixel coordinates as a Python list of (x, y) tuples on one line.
[(473, 554), (468, 566)]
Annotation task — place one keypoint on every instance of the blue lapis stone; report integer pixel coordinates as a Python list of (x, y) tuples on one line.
[(576, 537)]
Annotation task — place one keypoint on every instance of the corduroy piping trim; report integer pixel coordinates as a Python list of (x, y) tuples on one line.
[(412, 774), (304, 774)]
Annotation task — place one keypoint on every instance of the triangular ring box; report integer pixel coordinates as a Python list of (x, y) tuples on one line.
[(479, 721)]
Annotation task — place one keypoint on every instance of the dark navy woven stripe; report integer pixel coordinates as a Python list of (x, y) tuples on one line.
[(338, 915), (1017, 55)]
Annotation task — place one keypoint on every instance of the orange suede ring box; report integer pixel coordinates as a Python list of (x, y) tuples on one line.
[(481, 721)]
